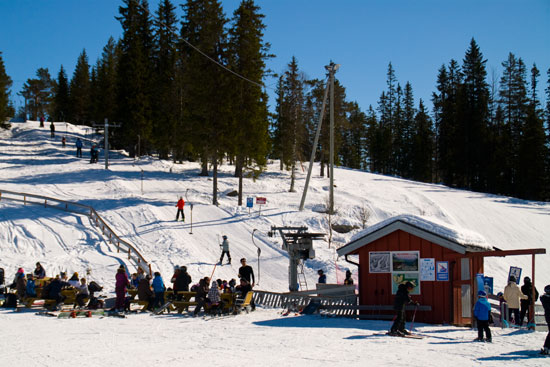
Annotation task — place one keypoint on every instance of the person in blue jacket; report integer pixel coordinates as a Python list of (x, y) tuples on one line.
[(158, 288), (78, 147), (482, 312)]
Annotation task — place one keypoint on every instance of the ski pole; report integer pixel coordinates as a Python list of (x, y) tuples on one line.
[(213, 270), (414, 314)]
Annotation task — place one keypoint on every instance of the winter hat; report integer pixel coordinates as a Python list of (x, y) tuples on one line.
[(512, 279), (224, 237), (320, 271), (547, 289), (481, 294), (527, 280), (409, 285), (20, 270)]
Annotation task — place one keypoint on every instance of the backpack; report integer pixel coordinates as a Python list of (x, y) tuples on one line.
[(95, 303), (11, 301)]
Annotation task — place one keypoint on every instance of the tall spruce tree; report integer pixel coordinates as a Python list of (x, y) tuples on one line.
[(61, 99), (533, 150), (80, 92), (134, 77), (248, 52), (207, 84), (474, 116), (5, 85), (422, 147), (353, 147), (165, 98), (104, 96), (291, 117)]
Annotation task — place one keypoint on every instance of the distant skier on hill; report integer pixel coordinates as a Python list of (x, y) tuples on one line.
[(225, 250), (52, 129), (78, 147), (180, 205)]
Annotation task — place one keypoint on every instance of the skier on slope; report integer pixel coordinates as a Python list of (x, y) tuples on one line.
[(225, 250), (180, 205), (402, 298), (482, 313)]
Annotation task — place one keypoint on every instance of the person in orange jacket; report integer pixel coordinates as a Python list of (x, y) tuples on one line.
[(180, 205)]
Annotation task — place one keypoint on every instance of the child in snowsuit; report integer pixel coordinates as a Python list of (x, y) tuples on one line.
[(121, 282), (402, 298), (545, 300), (158, 288), (482, 312)]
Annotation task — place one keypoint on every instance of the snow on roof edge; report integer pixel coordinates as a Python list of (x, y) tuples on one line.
[(472, 240)]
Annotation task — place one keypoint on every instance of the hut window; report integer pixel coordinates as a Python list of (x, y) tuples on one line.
[(464, 268)]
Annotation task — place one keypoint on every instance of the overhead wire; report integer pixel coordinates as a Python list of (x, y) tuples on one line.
[(261, 85)]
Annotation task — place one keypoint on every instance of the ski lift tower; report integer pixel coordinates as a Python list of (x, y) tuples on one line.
[(299, 245)]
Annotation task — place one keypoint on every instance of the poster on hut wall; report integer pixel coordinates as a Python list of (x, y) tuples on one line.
[(379, 262), (403, 261), (427, 270), (401, 278)]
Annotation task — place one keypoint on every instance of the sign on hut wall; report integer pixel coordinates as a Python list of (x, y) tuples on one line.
[(427, 270), (379, 262)]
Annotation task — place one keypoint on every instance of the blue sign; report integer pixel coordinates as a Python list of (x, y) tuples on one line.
[(249, 202), (488, 284), (442, 271), (480, 278), (516, 272)]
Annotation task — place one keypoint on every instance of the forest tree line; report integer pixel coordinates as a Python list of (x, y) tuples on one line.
[(485, 132)]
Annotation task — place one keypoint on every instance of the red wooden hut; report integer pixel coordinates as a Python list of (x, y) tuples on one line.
[(440, 261)]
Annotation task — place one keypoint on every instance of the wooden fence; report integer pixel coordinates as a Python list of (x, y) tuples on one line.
[(109, 234)]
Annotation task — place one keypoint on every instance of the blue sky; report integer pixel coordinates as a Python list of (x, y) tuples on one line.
[(417, 37)]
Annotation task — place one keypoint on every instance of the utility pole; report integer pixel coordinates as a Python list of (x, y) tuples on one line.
[(106, 140), (331, 68)]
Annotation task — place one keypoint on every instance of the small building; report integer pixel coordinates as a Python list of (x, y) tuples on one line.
[(434, 257)]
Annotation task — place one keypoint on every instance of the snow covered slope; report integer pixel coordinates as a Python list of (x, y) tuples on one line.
[(32, 162)]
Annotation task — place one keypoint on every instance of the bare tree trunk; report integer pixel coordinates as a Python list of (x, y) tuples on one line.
[(204, 165), (239, 172), (215, 180)]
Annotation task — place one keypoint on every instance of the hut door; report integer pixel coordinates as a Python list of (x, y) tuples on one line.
[(462, 294)]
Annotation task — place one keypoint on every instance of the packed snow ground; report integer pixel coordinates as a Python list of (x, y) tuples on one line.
[(32, 162)]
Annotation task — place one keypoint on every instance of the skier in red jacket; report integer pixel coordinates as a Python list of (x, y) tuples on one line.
[(180, 206)]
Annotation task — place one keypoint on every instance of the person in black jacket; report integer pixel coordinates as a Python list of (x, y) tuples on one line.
[(527, 289), (183, 279), (402, 298), (201, 295), (54, 290), (545, 300)]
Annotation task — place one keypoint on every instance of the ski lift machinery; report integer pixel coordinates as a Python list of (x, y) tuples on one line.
[(299, 245)]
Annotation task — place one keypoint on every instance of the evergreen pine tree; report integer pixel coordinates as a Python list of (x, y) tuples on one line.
[(249, 138), (80, 92), (165, 98), (422, 147), (61, 98), (134, 77), (38, 94), (208, 88), (5, 85)]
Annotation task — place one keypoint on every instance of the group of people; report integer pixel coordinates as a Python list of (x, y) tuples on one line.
[(26, 286), (208, 292)]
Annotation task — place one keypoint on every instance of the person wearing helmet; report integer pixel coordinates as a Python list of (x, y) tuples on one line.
[(512, 295), (527, 289), (482, 313), (402, 298), (545, 300), (225, 250)]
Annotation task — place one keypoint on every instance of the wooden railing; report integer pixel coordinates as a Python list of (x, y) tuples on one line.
[(106, 230), (330, 305)]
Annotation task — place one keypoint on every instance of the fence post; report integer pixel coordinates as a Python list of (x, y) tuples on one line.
[(45, 203), (129, 253), (150, 271), (118, 247), (25, 200)]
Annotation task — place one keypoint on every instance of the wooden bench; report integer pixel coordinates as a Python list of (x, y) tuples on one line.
[(70, 298), (185, 302)]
